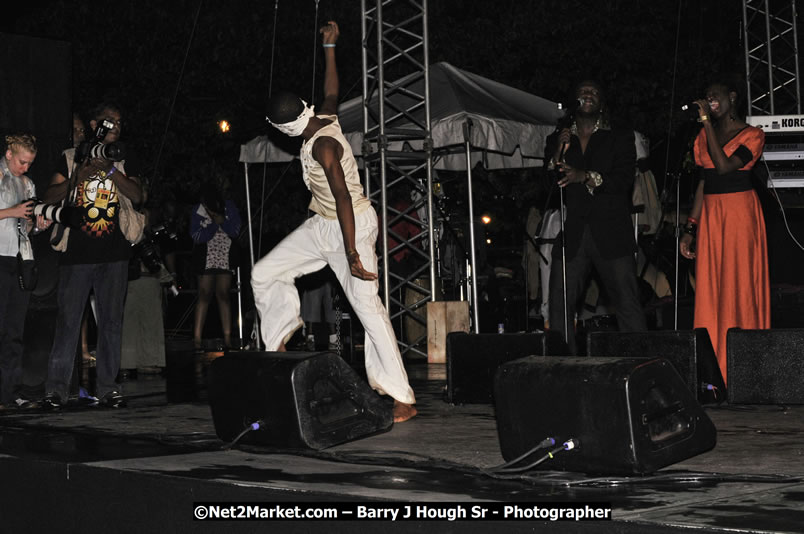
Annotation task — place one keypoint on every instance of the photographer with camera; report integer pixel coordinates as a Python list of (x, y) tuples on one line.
[(16, 207), (100, 187)]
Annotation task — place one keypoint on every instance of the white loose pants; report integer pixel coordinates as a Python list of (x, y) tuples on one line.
[(311, 246)]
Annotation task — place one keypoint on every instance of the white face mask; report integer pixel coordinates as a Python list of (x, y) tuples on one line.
[(295, 127)]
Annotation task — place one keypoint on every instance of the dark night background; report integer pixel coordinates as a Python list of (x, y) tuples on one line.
[(132, 53)]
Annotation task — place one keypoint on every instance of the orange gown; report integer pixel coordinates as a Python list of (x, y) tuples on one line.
[(732, 284)]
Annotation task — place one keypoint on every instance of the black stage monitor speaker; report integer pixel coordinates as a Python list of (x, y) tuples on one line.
[(629, 415), (472, 360), (304, 399), (690, 352), (765, 366)]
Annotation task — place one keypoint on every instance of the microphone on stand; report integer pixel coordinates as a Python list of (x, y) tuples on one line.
[(566, 121)]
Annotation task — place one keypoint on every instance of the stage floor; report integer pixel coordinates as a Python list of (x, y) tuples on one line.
[(141, 468)]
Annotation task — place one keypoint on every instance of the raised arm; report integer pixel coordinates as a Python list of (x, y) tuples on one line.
[(57, 189), (330, 34), (722, 163), (129, 186)]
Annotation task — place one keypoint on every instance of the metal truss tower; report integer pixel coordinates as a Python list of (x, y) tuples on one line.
[(398, 159), (772, 62)]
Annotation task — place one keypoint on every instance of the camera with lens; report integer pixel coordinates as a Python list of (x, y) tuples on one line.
[(149, 249), (148, 252), (162, 233), (96, 149), (66, 215)]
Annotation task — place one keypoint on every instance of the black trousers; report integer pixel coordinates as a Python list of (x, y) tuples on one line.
[(618, 276), (13, 307)]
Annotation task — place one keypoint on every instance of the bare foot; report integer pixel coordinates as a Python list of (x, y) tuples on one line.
[(281, 347), (403, 412)]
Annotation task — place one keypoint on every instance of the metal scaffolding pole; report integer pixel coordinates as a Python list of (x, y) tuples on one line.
[(398, 160), (772, 66)]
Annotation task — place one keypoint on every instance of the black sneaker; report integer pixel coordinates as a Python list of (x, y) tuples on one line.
[(112, 399), (52, 401)]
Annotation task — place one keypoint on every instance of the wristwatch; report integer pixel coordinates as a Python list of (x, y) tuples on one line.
[(593, 181)]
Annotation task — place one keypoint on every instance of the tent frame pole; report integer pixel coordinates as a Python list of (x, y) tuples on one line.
[(467, 136), (258, 341)]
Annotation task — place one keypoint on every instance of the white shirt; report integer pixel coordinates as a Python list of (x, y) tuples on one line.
[(13, 190)]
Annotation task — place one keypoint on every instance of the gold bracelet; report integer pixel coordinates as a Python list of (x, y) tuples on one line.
[(704, 118)]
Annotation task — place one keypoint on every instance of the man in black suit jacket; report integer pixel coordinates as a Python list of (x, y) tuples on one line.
[(596, 166)]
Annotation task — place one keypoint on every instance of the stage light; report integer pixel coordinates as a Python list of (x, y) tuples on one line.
[(486, 219), (488, 241), (224, 126)]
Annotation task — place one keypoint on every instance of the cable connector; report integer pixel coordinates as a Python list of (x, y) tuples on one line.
[(571, 444), (256, 425)]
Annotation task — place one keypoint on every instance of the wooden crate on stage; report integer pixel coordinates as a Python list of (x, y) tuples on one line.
[(442, 318)]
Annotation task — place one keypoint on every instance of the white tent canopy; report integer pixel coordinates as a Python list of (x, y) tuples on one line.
[(509, 126)]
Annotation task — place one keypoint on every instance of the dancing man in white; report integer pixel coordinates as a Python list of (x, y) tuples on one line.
[(341, 234)]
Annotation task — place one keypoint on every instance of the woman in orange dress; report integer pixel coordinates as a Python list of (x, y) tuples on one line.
[(732, 285)]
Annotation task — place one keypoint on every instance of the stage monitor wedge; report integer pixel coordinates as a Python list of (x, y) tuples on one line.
[(304, 400), (631, 416), (690, 352)]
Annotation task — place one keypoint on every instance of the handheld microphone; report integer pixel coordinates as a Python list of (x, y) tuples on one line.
[(690, 110), (569, 113)]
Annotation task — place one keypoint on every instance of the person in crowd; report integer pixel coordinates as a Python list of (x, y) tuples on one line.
[(77, 137), (214, 227), (317, 306), (341, 234), (95, 259), (143, 352), (596, 165), (16, 208), (731, 269)]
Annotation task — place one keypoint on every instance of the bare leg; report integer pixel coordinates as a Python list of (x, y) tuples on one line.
[(223, 282), (403, 412), (206, 283)]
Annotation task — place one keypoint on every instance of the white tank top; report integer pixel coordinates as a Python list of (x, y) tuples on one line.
[(323, 203)]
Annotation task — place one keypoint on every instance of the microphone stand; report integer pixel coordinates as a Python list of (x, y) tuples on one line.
[(677, 243), (563, 255), (565, 122)]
